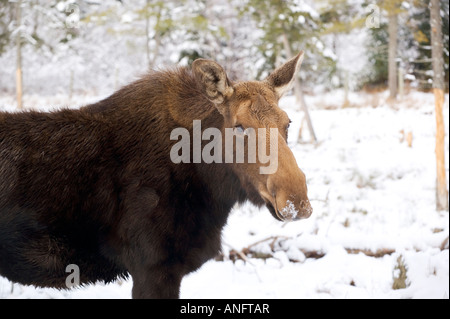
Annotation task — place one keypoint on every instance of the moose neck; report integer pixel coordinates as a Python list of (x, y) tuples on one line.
[(223, 182), (186, 105), (180, 102)]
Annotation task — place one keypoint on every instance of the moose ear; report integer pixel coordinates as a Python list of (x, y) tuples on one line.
[(213, 80), (283, 77)]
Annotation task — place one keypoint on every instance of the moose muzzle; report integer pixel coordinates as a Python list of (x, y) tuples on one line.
[(286, 190)]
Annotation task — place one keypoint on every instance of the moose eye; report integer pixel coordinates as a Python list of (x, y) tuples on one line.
[(239, 128), (287, 128)]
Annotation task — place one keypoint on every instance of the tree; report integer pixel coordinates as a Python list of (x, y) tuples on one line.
[(392, 51), (393, 9), (300, 23), (30, 27), (159, 22), (420, 46), (7, 15), (289, 26), (202, 27), (438, 89), (342, 20), (19, 54)]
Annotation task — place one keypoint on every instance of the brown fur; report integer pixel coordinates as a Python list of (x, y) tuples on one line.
[(96, 187)]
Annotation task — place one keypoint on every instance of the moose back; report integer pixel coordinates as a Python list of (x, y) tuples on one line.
[(96, 187)]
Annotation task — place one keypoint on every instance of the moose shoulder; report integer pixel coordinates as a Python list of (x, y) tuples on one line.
[(96, 186)]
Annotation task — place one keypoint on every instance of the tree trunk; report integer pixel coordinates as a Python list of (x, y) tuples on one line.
[(298, 92), (147, 34), (401, 83), (438, 89), (157, 30), (19, 55), (157, 46), (393, 29)]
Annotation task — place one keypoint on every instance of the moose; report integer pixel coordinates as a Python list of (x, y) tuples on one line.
[(95, 186)]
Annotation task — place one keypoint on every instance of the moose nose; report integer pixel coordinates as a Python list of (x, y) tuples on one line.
[(287, 190), (292, 209)]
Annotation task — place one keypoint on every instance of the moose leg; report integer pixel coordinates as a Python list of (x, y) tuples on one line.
[(155, 267), (156, 282)]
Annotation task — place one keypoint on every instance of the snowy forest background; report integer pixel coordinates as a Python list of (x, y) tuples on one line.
[(375, 231), (66, 42)]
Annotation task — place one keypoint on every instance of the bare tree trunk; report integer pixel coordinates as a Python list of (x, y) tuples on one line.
[(298, 92), (401, 83), (438, 89), (157, 46), (152, 61), (346, 89), (393, 29), (19, 55), (147, 34)]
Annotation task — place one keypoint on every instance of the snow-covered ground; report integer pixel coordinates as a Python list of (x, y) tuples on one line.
[(374, 218)]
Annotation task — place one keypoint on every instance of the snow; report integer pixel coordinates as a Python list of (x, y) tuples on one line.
[(373, 201), (289, 212)]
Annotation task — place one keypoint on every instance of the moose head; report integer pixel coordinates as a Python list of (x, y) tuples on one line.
[(250, 110)]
